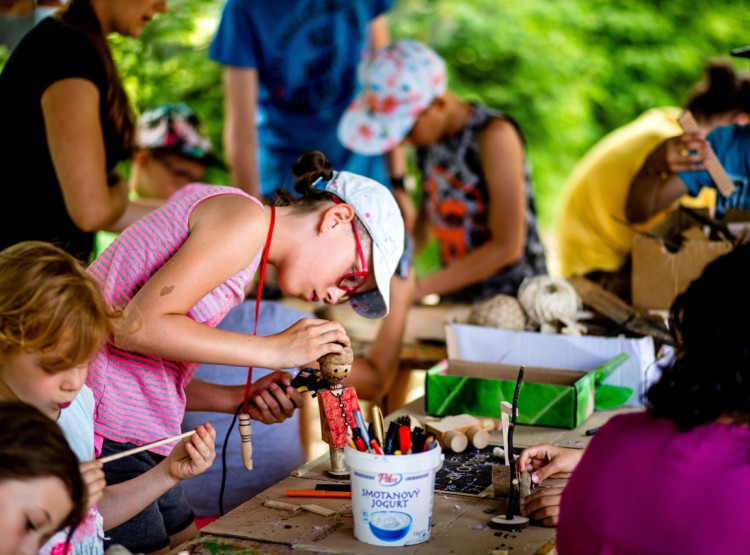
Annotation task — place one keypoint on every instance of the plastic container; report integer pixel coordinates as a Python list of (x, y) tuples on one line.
[(392, 495)]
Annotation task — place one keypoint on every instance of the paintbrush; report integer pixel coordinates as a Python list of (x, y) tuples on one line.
[(144, 447)]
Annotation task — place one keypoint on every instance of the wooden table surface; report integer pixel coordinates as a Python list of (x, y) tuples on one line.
[(460, 521)]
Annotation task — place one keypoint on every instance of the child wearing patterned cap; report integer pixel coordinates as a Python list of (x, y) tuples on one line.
[(474, 171), (172, 150), (172, 137)]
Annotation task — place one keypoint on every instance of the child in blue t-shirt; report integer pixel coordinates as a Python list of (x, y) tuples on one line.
[(678, 166)]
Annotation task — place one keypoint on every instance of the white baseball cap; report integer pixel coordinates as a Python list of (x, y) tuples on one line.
[(378, 211), (399, 82)]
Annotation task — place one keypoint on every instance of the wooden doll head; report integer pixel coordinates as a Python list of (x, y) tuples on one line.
[(335, 367)]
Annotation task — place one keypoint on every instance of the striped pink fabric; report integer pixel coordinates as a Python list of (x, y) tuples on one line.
[(141, 398)]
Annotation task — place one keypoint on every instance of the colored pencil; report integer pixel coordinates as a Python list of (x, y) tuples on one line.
[(318, 493)]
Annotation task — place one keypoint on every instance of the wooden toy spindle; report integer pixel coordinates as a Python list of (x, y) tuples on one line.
[(246, 446)]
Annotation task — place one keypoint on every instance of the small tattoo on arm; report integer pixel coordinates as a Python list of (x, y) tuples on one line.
[(166, 290)]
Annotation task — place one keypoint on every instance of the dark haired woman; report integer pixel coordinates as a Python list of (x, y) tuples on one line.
[(592, 234), (66, 123)]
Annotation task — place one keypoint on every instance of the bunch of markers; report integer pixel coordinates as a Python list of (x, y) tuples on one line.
[(399, 439)]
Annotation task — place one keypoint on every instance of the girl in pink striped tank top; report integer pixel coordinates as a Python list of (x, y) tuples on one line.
[(179, 270)]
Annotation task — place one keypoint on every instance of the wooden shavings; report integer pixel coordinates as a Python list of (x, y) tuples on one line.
[(317, 509), (280, 505)]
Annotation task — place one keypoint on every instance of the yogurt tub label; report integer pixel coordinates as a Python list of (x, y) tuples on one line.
[(392, 508)]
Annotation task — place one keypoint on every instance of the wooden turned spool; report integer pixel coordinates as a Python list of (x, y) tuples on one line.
[(455, 441), (246, 447), (338, 468), (478, 436)]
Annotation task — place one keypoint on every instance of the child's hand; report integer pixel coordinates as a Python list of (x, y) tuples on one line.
[(686, 152), (306, 340), (543, 506), (93, 479), (194, 454), (273, 398), (545, 461)]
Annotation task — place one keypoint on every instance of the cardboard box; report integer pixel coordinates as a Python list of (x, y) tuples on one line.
[(567, 352), (659, 275), (547, 397)]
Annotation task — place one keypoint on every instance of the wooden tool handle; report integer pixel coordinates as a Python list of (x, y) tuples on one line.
[(246, 446)]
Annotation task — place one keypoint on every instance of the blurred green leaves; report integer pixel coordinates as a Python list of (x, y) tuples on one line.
[(568, 70)]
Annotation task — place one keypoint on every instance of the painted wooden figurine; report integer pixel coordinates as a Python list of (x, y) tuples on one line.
[(337, 404)]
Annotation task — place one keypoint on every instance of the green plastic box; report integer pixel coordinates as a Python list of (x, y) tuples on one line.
[(547, 397)]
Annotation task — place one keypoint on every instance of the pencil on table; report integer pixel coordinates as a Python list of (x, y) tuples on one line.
[(318, 493)]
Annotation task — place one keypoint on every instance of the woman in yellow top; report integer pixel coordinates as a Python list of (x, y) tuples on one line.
[(593, 238)]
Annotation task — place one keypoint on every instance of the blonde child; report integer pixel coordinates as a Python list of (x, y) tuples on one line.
[(40, 483), (53, 321)]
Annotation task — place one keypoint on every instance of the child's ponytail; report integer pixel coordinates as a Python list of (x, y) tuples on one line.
[(308, 170)]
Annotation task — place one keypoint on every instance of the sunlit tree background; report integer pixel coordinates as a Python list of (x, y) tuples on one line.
[(568, 70)]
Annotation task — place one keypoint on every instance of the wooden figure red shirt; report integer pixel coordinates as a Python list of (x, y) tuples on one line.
[(337, 408)]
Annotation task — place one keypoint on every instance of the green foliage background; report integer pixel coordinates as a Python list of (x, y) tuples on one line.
[(568, 70)]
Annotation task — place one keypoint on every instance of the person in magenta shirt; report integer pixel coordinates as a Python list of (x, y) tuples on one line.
[(676, 477)]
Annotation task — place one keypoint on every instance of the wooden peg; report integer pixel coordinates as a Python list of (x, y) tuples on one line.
[(246, 446), (455, 441), (458, 424), (506, 410), (478, 436), (146, 447)]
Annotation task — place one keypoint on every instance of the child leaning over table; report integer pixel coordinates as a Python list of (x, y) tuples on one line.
[(473, 165), (179, 270), (53, 321)]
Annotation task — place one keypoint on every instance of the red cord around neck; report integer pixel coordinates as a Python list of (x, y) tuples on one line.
[(258, 295)]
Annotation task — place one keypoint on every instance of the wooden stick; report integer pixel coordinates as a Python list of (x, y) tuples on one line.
[(723, 182), (144, 447), (506, 409), (514, 506)]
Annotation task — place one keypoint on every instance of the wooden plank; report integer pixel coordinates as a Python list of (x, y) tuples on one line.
[(617, 310)]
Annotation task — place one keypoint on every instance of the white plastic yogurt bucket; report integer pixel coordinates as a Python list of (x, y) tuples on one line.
[(392, 495)]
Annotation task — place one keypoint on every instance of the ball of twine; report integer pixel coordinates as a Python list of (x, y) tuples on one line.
[(550, 301), (500, 311)]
